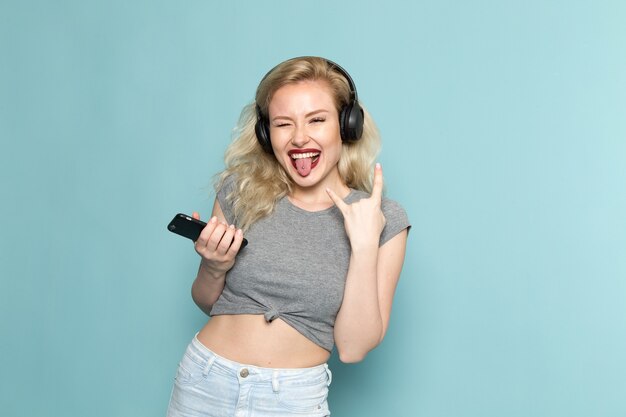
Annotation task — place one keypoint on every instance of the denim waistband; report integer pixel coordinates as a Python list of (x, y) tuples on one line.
[(251, 373)]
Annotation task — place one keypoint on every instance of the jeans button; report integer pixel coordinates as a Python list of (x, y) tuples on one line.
[(244, 373)]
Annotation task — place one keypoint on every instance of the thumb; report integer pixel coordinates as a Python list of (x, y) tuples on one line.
[(336, 200)]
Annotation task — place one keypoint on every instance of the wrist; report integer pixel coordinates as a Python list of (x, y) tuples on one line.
[(210, 272), (364, 255), (365, 248)]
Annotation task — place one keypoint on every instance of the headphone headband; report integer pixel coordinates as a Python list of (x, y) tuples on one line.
[(331, 64)]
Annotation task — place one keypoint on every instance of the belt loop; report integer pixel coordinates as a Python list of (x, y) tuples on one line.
[(329, 373), (275, 381), (207, 367)]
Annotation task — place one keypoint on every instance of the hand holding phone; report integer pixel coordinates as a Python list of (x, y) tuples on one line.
[(191, 228)]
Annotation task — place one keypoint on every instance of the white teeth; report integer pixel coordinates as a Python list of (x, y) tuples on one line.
[(304, 155)]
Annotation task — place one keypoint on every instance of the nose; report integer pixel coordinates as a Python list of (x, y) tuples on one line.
[(300, 137)]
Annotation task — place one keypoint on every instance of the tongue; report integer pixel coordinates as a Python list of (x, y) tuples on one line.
[(303, 165)]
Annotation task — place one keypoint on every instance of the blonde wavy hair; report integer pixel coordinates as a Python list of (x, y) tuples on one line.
[(260, 181)]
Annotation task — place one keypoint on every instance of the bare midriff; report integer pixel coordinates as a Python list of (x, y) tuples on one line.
[(249, 339)]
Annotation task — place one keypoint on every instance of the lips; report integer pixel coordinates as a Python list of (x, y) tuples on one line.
[(304, 160)]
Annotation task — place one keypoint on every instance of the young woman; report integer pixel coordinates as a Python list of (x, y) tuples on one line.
[(325, 252)]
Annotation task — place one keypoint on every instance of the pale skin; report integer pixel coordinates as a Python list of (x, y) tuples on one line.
[(303, 116)]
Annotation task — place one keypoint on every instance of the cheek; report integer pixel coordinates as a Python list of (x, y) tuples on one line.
[(277, 136), (332, 154), (334, 143), (280, 141), (337, 155)]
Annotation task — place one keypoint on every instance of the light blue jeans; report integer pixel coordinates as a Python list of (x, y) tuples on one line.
[(208, 385)]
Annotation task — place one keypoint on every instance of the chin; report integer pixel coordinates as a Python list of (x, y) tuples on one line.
[(310, 180)]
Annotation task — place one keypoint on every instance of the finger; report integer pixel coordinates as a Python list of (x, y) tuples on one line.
[(216, 236), (195, 215), (336, 200), (236, 245), (226, 240), (206, 233), (377, 189)]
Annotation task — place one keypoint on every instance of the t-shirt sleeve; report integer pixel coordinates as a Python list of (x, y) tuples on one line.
[(222, 198), (397, 220)]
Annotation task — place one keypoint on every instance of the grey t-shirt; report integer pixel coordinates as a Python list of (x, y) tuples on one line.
[(295, 266)]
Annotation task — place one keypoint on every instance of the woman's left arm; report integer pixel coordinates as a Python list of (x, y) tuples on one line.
[(372, 277)]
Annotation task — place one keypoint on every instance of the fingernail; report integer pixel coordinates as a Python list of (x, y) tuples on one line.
[(378, 165), (232, 226), (213, 219)]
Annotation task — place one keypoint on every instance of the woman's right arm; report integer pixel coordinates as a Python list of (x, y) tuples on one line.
[(217, 245)]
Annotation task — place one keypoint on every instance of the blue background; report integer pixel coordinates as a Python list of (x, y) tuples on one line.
[(504, 136)]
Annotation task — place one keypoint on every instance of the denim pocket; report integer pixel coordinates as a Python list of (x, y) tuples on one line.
[(303, 398), (191, 370)]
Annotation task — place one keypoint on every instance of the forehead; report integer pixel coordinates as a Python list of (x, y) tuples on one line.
[(302, 96)]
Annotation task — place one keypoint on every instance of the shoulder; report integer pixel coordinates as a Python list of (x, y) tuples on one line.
[(396, 218), (224, 188), (226, 183), (388, 205), (391, 208)]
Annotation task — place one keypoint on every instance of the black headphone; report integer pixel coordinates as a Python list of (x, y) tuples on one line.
[(350, 116)]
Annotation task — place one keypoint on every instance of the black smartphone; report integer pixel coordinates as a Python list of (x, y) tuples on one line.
[(190, 228)]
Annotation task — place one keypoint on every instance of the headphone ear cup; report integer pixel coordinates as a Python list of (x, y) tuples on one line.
[(262, 131), (351, 122)]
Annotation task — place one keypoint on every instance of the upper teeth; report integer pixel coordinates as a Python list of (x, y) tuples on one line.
[(304, 155)]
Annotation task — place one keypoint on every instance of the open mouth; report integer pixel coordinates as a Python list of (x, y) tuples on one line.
[(304, 160)]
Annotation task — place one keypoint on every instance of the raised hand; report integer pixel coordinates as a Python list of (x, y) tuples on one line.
[(364, 220), (218, 245)]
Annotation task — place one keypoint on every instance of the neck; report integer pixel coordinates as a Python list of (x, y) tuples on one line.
[(316, 198)]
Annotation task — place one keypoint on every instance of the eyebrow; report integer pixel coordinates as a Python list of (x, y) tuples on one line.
[(309, 114)]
